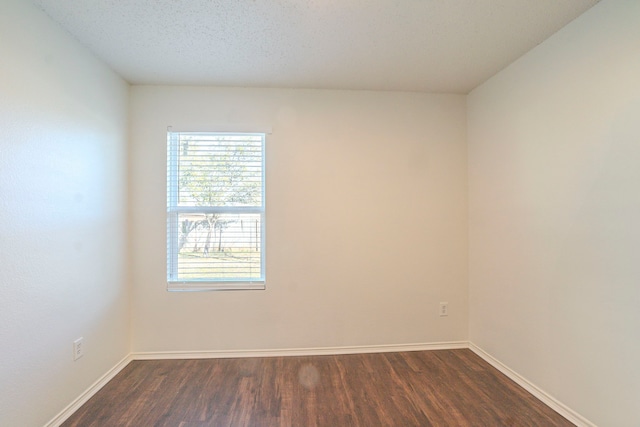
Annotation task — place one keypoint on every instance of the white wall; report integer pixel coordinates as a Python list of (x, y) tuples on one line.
[(62, 217), (366, 220), (554, 182)]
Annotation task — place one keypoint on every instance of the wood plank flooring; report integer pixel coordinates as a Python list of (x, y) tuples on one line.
[(422, 388)]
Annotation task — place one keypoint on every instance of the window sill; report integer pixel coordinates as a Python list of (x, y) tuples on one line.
[(214, 286)]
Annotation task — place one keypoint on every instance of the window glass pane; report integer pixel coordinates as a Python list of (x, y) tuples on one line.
[(219, 246), (219, 170)]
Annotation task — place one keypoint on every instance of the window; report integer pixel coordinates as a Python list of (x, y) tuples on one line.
[(215, 210)]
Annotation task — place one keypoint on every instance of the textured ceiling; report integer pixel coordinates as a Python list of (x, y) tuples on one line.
[(413, 45)]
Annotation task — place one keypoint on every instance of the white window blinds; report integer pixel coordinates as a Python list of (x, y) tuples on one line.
[(215, 210)]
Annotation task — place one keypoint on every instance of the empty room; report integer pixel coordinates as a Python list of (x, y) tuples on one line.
[(319, 213)]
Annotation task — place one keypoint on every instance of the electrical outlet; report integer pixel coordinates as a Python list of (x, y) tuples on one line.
[(78, 348), (444, 309)]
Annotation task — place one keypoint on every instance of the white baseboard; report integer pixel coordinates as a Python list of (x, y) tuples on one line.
[(317, 351), (549, 400), (88, 393)]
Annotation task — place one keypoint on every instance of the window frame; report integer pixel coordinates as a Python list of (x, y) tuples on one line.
[(174, 210)]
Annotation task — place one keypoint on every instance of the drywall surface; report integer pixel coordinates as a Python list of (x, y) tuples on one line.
[(63, 117), (366, 220), (554, 172)]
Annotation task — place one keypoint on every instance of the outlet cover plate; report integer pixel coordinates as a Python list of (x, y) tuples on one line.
[(78, 348), (444, 309)]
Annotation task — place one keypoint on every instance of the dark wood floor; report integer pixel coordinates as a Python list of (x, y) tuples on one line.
[(425, 388)]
